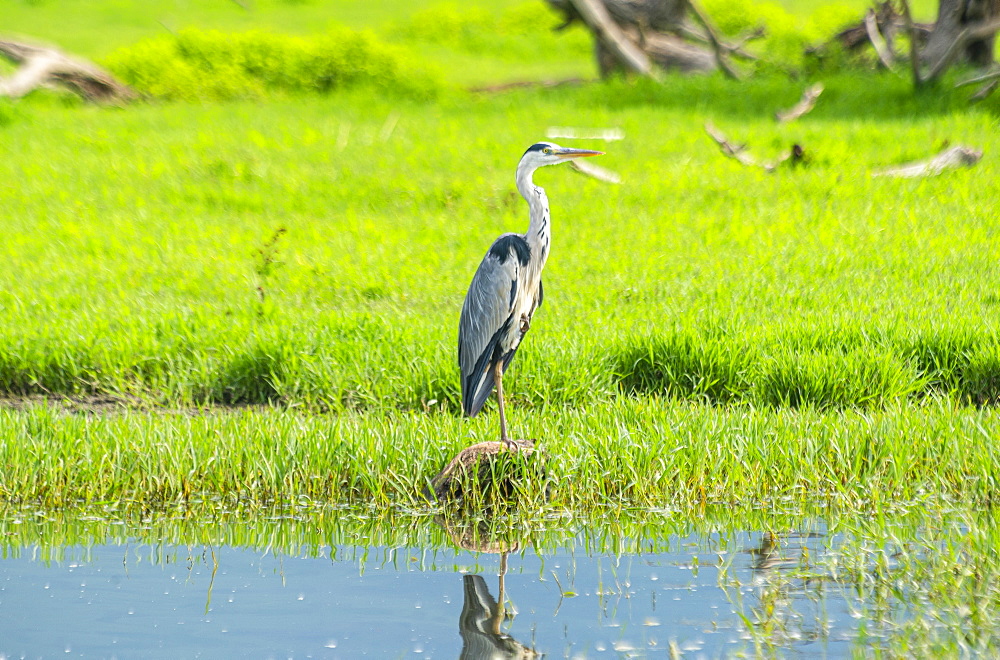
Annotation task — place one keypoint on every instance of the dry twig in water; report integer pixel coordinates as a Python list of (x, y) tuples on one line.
[(805, 104), (957, 156)]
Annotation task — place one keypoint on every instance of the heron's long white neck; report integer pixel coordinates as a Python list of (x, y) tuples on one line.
[(539, 232)]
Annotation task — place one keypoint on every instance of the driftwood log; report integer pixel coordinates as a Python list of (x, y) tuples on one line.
[(487, 472), (957, 156), (45, 67)]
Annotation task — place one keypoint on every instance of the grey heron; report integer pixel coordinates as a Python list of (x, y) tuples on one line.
[(507, 289)]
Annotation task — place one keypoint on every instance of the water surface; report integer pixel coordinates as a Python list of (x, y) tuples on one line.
[(706, 594)]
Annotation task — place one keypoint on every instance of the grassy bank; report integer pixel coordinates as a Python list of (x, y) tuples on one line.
[(630, 454)]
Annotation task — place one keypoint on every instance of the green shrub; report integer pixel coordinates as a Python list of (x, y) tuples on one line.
[(787, 37), (8, 112), (523, 30), (200, 64)]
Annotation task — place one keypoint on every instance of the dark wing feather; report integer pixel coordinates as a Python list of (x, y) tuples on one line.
[(486, 318)]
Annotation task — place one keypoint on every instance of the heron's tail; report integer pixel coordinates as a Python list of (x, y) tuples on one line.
[(479, 385)]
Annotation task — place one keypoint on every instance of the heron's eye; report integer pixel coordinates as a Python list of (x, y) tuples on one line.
[(546, 150)]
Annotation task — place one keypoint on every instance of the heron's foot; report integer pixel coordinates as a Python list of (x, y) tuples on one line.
[(509, 444)]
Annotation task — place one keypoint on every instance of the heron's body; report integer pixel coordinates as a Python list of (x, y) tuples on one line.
[(507, 289)]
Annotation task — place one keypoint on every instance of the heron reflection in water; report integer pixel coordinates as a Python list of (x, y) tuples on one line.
[(480, 621)]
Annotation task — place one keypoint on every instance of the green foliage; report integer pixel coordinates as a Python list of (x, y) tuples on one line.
[(524, 30), (9, 113), (197, 64), (787, 36)]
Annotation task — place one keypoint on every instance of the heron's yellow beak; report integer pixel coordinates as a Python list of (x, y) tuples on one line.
[(567, 153)]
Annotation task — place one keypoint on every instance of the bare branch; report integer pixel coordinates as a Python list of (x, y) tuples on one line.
[(985, 91), (992, 80), (992, 75), (983, 30), (713, 39), (957, 156), (43, 66), (737, 151), (805, 104), (736, 49), (878, 43)]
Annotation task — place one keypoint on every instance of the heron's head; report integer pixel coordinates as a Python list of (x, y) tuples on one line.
[(546, 153)]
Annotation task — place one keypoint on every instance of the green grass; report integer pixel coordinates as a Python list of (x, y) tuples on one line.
[(132, 235), (268, 290), (312, 252), (95, 29), (636, 453)]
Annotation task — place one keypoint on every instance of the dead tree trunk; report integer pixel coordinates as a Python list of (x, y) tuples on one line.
[(963, 32), (629, 34), (967, 24)]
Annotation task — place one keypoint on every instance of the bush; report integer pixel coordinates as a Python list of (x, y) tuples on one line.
[(787, 37), (523, 30), (199, 64)]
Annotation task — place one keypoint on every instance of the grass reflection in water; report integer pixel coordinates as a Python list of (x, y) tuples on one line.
[(341, 583)]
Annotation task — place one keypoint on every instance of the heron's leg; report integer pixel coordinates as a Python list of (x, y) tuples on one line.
[(498, 377), (501, 611)]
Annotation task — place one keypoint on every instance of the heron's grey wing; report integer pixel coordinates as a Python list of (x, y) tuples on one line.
[(486, 318)]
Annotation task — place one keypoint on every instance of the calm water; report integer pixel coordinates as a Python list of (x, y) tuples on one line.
[(137, 600)]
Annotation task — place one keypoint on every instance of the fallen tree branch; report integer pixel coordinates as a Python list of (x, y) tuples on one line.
[(739, 153), (805, 104), (957, 156), (985, 91), (713, 40), (47, 66), (596, 171), (517, 84), (992, 80), (992, 75)]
